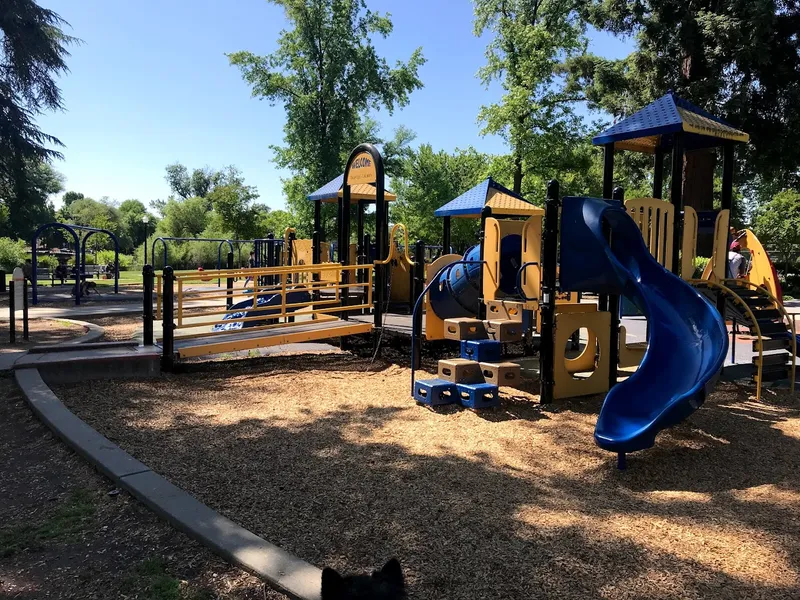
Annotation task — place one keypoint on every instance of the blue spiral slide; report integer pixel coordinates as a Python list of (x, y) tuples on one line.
[(688, 339)]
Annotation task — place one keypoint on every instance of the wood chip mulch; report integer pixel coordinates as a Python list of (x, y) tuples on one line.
[(328, 457)]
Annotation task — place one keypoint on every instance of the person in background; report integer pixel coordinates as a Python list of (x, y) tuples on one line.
[(27, 270), (251, 264), (735, 261)]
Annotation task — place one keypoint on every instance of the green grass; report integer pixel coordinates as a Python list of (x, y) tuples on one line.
[(68, 520), (150, 580)]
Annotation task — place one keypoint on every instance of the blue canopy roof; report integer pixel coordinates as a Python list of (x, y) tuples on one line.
[(655, 125), (332, 191), (487, 192)]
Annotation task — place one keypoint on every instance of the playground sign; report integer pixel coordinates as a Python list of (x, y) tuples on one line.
[(362, 169)]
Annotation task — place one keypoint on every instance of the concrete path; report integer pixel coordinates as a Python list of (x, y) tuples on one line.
[(285, 572)]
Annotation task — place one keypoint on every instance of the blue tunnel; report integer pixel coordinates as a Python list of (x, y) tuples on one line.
[(458, 292)]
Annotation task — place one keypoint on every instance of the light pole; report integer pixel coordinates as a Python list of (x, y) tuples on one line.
[(145, 220)]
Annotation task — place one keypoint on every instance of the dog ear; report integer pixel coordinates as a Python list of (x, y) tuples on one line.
[(392, 572), (332, 584)]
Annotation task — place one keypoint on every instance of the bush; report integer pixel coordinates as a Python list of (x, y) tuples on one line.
[(46, 262), (106, 257), (12, 254), (699, 263)]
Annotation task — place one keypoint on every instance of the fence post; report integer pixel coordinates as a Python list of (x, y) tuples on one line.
[(548, 303), (168, 322), (147, 309), (25, 330), (229, 283), (12, 325)]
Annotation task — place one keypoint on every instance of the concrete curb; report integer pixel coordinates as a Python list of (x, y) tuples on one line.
[(95, 332), (283, 571)]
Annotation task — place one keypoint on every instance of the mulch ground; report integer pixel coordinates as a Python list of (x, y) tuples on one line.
[(330, 459), (65, 532), (42, 331)]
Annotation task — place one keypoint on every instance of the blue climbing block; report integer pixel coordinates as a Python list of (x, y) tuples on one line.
[(478, 395), (481, 350), (434, 392)]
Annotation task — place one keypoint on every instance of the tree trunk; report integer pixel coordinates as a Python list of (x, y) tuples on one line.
[(698, 179), (518, 172)]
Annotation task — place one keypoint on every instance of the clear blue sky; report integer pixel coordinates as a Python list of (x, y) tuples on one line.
[(151, 85)]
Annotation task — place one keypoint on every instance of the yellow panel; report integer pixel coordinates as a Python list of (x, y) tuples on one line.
[(434, 326), (531, 253), (364, 191), (761, 272), (491, 257), (646, 144), (719, 256), (655, 219), (689, 250), (400, 280), (694, 123), (503, 204), (566, 386)]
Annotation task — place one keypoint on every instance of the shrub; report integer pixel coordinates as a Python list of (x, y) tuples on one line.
[(12, 254), (699, 263), (106, 257), (46, 262)]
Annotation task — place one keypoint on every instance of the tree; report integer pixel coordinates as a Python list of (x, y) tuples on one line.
[(33, 49), (185, 218), (233, 204), (132, 213), (777, 224), (531, 39), (21, 215), (327, 74), (275, 221), (70, 197), (430, 180), (196, 184), (738, 59)]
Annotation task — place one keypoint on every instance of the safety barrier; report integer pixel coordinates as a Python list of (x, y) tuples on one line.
[(288, 295)]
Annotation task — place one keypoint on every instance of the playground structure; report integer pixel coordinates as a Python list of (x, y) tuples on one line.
[(641, 249), (516, 286), (79, 273)]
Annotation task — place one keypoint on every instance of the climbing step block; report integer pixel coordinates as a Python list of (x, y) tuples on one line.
[(464, 328), (481, 350), (478, 395), (504, 373), (460, 370), (504, 310), (503, 330), (435, 392)]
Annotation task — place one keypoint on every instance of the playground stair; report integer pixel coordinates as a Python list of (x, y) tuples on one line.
[(754, 308), (473, 380)]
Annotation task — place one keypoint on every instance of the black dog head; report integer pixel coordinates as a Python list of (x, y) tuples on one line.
[(386, 584)]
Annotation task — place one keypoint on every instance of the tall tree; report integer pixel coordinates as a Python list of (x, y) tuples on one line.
[(530, 40), (19, 219), (739, 59), (327, 74), (33, 49)]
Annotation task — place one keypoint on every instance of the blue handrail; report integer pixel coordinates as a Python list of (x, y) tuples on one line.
[(522, 294)]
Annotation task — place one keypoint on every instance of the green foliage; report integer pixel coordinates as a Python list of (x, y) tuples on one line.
[(185, 218), (49, 262), (106, 257), (699, 263), (327, 74), (12, 254), (276, 222), (430, 180), (530, 40), (24, 207), (234, 205), (777, 224), (70, 197), (739, 60)]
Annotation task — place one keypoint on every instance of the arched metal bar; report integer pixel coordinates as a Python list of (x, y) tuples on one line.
[(165, 239), (34, 261), (116, 253)]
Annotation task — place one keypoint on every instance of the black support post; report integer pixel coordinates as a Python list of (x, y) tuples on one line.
[(229, 284), (315, 245), (418, 284), (381, 250), (658, 173), (25, 329), (2, 281), (547, 307), (168, 322), (147, 308), (613, 308), (12, 314), (446, 236), (344, 245), (608, 191), (486, 212), (676, 197)]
